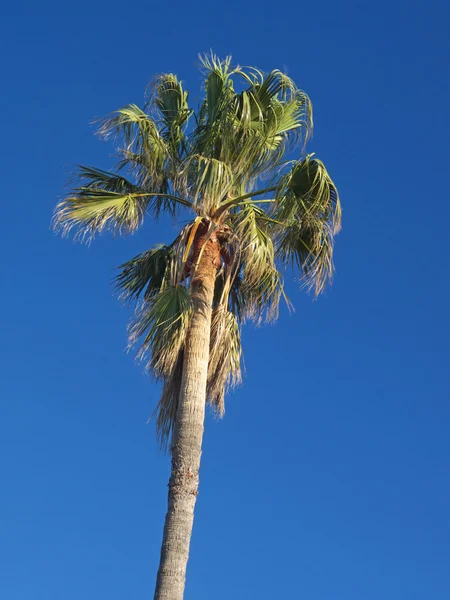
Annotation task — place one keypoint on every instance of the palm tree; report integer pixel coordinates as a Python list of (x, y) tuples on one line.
[(252, 212)]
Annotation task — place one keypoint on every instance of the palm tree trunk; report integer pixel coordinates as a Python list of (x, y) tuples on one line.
[(188, 433)]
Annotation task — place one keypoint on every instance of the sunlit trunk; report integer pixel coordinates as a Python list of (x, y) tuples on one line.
[(188, 434)]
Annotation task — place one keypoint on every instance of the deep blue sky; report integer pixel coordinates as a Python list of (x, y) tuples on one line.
[(329, 478)]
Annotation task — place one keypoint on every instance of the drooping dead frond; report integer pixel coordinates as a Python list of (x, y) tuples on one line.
[(224, 369), (161, 323), (166, 409), (308, 244)]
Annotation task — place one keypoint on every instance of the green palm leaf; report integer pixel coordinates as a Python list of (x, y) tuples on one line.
[(161, 324), (172, 102), (145, 152), (136, 126), (93, 210), (218, 85), (309, 208), (108, 201), (206, 180), (261, 284), (145, 274)]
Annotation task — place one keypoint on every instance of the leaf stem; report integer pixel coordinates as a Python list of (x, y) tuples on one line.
[(239, 199)]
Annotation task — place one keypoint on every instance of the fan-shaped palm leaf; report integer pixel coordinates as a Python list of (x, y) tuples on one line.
[(107, 201), (309, 208), (161, 323), (172, 103), (145, 274)]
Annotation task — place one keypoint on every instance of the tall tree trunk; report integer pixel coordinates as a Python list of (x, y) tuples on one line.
[(188, 433)]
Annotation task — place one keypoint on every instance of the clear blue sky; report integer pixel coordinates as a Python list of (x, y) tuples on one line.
[(329, 478)]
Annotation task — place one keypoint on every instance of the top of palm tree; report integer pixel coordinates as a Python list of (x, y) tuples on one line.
[(224, 163)]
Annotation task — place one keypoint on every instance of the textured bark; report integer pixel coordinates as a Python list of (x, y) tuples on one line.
[(188, 433)]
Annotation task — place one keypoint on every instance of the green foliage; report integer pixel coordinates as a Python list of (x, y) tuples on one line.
[(309, 211), (145, 274), (161, 324), (172, 102), (261, 284), (225, 166)]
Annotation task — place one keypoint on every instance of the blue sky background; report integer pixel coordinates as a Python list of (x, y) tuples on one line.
[(328, 479)]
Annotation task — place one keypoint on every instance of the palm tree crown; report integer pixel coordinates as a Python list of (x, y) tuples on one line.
[(225, 165)]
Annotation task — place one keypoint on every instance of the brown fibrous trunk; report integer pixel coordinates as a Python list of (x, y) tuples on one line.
[(189, 426)]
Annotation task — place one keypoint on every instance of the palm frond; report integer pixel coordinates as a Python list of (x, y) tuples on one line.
[(278, 116), (261, 286), (101, 200), (99, 179), (91, 211), (145, 152), (172, 103), (256, 246), (161, 325), (309, 246), (145, 274), (217, 84), (206, 180), (165, 412), (236, 299), (213, 115), (171, 100), (308, 205), (131, 122), (224, 368), (288, 120)]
